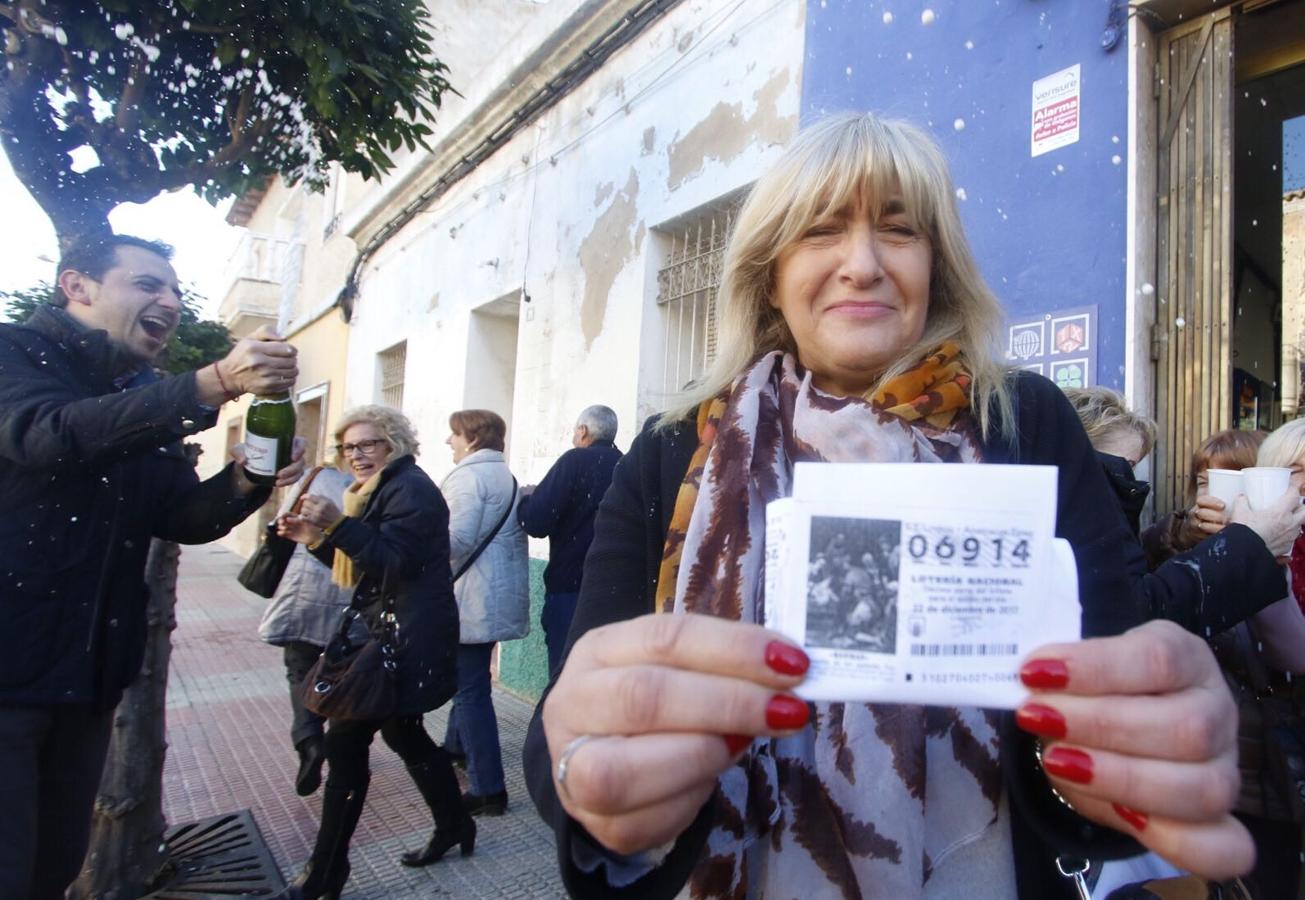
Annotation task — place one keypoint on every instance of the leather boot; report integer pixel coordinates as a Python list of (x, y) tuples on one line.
[(453, 825), (312, 753), (327, 870)]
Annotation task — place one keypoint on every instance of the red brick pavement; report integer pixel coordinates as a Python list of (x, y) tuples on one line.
[(228, 731)]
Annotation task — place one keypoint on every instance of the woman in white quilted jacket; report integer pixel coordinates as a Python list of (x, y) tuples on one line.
[(493, 593)]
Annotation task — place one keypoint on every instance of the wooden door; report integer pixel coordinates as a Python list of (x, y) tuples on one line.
[(1192, 338)]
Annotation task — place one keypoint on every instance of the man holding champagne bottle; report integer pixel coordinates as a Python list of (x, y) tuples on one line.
[(91, 439)]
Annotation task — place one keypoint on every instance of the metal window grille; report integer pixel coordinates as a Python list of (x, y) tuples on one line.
[(686, 292), (393, 362)]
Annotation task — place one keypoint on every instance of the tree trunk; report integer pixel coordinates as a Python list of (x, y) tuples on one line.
[(127, 856)]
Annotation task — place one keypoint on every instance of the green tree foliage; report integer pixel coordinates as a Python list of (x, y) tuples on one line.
[(197, 342), (158, 94)]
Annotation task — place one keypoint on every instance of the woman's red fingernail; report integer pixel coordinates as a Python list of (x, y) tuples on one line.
[(1045, 674), (736, 742), (785, 713), (787, 659), (1041, 720), (1134, 818), (1068, 763)]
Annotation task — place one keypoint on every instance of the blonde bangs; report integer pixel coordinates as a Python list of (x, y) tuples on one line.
[(831, 167), (870, 164)]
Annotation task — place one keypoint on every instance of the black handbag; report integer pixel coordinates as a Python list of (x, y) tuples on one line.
[(355, 681), (262, 572)]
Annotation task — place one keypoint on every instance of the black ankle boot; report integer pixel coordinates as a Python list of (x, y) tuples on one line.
[(324, 876), (312, 753), (453, 825)]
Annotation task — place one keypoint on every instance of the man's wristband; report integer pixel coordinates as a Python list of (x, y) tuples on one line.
[(230, 394)]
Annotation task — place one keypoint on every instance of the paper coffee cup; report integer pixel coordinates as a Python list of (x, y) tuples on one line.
[(1225, 484), (1265, 484)]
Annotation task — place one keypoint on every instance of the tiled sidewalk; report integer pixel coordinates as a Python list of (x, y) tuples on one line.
[(229, 748)]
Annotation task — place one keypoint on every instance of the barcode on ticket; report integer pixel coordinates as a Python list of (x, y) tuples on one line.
[(964, 649)]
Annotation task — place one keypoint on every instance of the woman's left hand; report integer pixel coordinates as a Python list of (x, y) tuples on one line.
[(1140, 734), (319, 511)]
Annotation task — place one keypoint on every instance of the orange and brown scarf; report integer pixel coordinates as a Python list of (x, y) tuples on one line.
[(872, 800)]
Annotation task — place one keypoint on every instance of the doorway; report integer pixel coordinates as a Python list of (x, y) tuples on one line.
[(1229, 325), (491, 373)]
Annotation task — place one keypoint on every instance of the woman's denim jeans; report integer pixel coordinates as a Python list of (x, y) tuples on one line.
[(473, 727)]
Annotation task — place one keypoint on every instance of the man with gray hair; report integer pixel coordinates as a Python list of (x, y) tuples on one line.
[(562, 508)]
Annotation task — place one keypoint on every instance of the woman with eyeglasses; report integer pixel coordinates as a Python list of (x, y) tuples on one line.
[(391, 535)]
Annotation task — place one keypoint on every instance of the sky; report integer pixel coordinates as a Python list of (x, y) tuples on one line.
[(1293, 154), (199, 232)]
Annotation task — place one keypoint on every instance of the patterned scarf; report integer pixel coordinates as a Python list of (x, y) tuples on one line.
[(343, 571), (871, 800)]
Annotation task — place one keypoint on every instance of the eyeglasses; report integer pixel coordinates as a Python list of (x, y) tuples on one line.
[(367, 448)]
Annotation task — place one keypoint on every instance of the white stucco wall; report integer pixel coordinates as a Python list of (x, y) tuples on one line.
[(566, 214)]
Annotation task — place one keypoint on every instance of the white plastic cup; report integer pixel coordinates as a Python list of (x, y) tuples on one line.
[(1265, 484), (1225, 484)]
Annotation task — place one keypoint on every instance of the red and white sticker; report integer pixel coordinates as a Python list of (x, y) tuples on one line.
[(1056, 111)]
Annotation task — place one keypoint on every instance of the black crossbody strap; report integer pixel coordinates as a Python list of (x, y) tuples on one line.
[(470, 560)]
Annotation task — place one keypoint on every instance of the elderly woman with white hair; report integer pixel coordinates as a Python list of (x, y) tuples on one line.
[(855, 327), (390, 546)]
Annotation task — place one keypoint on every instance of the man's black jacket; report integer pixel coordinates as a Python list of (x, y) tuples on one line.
[(88, 474), (562, 509)]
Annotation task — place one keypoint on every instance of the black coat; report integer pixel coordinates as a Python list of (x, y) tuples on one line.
[(620, 583), (401, 543), (89, 472), (562, 509), (1222, 581)]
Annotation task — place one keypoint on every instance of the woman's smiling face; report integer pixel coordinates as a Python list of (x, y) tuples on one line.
[(854, 292)]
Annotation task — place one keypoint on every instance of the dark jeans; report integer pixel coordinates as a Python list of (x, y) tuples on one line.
[(299, 658), (347, 744), (51, 758), (559, 609), (473, 727)]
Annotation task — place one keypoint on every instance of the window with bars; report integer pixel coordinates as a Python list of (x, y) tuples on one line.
[(392, 365), (686, 293)]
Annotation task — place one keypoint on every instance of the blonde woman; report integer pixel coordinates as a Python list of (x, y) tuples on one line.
[(389, 546), (855, 327)]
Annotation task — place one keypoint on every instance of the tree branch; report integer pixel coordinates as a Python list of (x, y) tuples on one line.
[(128, 106)]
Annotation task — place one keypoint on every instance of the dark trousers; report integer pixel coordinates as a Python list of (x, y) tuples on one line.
[(347, 744), (473, 726), (559, 610), (51, 758), (299, 658)]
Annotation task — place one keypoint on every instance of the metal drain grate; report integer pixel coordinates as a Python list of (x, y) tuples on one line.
[(223, 856)]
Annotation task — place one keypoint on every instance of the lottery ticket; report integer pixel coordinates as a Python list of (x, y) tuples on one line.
[(919, 584)]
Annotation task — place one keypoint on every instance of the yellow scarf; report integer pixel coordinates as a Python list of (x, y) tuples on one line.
[(356, 496)]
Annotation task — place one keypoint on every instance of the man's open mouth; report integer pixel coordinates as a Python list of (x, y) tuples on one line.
[(157, 327)]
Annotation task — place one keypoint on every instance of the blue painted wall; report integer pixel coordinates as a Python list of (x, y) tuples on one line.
[(1049, 232)]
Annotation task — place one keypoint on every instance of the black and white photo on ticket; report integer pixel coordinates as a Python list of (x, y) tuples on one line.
[(904, 592)]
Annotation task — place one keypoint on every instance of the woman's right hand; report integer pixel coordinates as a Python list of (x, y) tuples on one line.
[(1208, 516), (666, 703), (1278, 525), (298, 529)]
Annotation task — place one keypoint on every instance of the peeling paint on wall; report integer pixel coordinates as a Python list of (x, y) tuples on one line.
[(603, 253), (725, 133), (649, 140), (602, 192)]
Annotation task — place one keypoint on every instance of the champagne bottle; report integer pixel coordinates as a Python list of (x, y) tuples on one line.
[(269, 435)]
